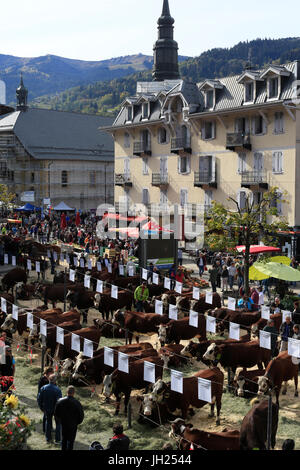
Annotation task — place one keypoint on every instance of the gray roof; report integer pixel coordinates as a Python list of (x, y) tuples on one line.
[(59, 135), (229, 92)]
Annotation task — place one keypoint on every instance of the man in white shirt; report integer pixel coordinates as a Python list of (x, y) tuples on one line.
[(261, 300)]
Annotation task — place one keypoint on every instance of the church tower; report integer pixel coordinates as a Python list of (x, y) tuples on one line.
[(165, 49), (22, 94)]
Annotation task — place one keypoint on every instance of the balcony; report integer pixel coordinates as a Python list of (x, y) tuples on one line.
[(160, 180), (140, 148), (181, 145), (206, 179), (255, 178), (238, 139), (123, 180)]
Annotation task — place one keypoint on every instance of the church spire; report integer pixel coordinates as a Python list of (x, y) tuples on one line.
[(165, 49), (22, 94)]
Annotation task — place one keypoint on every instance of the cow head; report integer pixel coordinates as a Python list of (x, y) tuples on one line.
[(165, 300), (66, 367), (213, 353), (147, 404), (9, 324), (79, 367), (254, 331), (97, 300), (159, 389), (162, 334), (118, 318), (187, 350), (239, 382), (177, 428), (107, 385), (264, 385)]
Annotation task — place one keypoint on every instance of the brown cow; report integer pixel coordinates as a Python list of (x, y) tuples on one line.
[(201, 306), (189, 397), (176, 330), (203, 440), (233, 355), (280, 369), (92, 333), (119, 382), (198, 349), (242, 318), (13, 277), (174, 353), (253, 433), (109, 305), (138, 322), (262, 322), (245, 382)]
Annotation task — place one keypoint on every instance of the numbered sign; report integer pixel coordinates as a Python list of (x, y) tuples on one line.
[(82, 262), (173, 312), (234, 331), (5, 259), (72, 275), (15, 312), (89, 263), (123, 364), (158, 307), (155, 278), (14, 261), (231, 303), (59, 335), (211, 324), (29, 265), (149, 372), (88, 348), (43, 327), (87, 281), (176, 381), (29, 322), (196, 293), (121, 269), (178, 287), (209, 298), (99, 287), (108, 356), (204, 390), (99, 266), (265, 312), (131, 271), (193, 320), (265, 339), (294, 347), (38, 266), (75, 343), (144, 274), (3, 305), (114, 292), (167, 283)]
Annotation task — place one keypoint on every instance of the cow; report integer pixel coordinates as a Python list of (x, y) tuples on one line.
[(138, 323), (109, 330), (55, 292), (10, 300), (203, 440), (119, 382), (176, 330), (13, 277), (242, 318), (245, 382), (201, 306), (253, 433), (109, 305), (152, 412), (83, 300), (198, 349), (189, 397), (233, 355), (281, 369), (174, 353), (49, 342), (90, 368)]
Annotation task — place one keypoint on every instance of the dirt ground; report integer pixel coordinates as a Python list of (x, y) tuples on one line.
[(100, 416)]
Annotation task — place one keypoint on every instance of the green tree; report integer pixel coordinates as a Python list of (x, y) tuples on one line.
[(227, 227), (6, 197)]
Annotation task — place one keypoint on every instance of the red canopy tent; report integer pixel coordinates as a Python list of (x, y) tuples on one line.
[(155, 227), (255, 249)]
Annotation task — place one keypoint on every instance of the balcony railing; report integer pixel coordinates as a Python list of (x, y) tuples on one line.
[(238, 139), (206, 178), (140, 148), (181, 144), (159, 179), (255, 178), (123, 180)]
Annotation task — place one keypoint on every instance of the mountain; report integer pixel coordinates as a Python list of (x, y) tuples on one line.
[(105, 97), (52, 74)]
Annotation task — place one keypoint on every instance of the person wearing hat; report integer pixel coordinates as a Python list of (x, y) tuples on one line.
[(141, 295)]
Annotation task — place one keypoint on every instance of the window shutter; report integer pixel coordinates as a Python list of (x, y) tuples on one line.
[(145, 196), (213, 130), (279, 202), (247, 125), (274, 162), (188, 164), (264, 126), (203, 131), (253, 125), (213, 169)]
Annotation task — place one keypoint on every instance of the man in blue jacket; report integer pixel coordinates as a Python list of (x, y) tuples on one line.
[(47, 398)]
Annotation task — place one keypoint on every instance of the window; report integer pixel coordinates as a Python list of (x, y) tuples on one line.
[(183, 197), (126, 140), (277, 162), (145, 166), (277, 202), (279, 123), (207, 167), (258, 161), (163, 196), (162, 135), (241, 162), (183, 164), (145, 110), (258, 125), (32, 177), (64, 178), (210, 99), (208, 195), (127, 168), (242, 198), (146, 196), (92, 178), (273, 87), (209, 130), (129, 113), (242, 125), (249, 92)]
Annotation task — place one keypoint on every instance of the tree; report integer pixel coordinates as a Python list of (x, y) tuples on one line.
[(245, 225), (6, 197)]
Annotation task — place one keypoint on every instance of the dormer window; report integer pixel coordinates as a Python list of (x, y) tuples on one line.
[(249, 92), (129, 113), (273, 87), (145, 110)]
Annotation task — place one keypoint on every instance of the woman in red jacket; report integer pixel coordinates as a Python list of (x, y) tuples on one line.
[(179, 275)]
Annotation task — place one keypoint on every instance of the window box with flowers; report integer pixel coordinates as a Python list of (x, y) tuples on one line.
[(15, 426)]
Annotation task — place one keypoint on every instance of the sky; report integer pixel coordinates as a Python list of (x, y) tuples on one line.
[(102, 29)]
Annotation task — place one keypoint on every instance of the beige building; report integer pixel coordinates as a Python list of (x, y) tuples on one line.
[(182, 143)]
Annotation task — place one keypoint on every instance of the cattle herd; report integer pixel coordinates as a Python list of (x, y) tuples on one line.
[(159, 403)]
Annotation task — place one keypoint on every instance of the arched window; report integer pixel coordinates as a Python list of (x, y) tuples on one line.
[(162, 135), (64, 178)]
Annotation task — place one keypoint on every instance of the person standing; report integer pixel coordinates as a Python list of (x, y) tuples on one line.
[(44, 380), (47, 398), (141, 295), (286, 332), (271, 328), (231, 275), (213, 278), (69, 412), (224, 278), (180, 257)]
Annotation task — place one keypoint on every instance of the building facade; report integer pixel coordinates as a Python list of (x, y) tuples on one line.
[(56, 155), (184, 143)]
